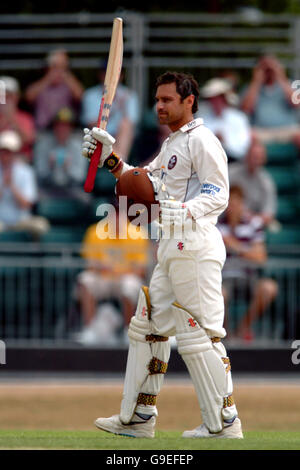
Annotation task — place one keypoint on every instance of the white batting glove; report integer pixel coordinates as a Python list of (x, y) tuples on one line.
[(90, 140), (173, 212)]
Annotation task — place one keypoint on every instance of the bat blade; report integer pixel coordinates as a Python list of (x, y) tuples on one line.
[(113, 70)]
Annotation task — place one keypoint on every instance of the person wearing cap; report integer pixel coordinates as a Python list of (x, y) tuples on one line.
[(57, 159), (18, 191), (227, 122), (13, 118), (56, 89), (124, 115)]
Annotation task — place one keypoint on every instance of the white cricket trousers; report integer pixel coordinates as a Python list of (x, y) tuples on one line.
[(193, 278)]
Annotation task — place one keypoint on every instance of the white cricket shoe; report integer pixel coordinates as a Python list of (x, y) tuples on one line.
[(136, 428), (232, 431)]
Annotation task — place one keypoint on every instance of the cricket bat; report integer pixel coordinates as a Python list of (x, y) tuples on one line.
[(112, 76)]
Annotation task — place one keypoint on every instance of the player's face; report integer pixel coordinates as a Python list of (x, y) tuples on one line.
[(171, 109)]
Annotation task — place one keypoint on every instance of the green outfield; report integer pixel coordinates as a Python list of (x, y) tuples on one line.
[(164, 440)]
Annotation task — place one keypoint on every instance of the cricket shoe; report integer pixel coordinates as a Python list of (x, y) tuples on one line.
[(232, 431), (136, 428)]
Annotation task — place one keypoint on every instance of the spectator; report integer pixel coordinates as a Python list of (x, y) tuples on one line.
[(116, 267), (12, 118), (123, 117), (57, 159), (258, 186), (18, 189), (233, 78), (268, 102), (229, 124), (243, 236), (58, 88)]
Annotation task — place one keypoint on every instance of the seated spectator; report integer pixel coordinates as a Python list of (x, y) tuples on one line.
[(229, 124), (124, 114), (12, 118), (268, 103), (58, 162), (258, 186), (18, 191), (116, 268), (243, 236), (57, 89)]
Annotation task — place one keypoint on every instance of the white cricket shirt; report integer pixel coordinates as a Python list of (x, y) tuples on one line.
[(193, 166)]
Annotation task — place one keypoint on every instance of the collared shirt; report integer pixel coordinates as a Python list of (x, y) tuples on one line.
[(193, 166)]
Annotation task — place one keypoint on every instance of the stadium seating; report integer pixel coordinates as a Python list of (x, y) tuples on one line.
[(281, 153), (96, 202), (15, 236), (287, 235), (287, 209), (62, 211), (64, 234), (286, 178)]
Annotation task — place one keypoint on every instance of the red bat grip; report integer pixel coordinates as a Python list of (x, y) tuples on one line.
[(93, 167)]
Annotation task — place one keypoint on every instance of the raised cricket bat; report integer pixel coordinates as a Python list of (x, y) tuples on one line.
[(112, 76)]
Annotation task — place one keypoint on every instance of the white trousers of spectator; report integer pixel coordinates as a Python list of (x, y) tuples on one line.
[(101, 287)]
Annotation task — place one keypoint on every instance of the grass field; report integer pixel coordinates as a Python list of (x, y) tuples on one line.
[(61, 416), (164, 440)]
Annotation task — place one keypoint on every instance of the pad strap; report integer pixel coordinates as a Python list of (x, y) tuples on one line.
[(146, 399), (156, 366), (156, 338), (227, 362), (228, 401)]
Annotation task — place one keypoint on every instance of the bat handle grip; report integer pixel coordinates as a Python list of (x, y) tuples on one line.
[(93, 167)]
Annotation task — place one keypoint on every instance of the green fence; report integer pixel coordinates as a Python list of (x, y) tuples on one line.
[(37, 299)]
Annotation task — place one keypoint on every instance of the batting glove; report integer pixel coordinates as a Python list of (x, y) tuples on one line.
[(90, 140), (173, 212)]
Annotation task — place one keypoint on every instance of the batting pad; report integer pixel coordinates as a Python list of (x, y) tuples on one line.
[(147, 362), (205, 366)]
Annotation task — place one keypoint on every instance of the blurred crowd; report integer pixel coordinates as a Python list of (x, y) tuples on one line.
[(41, 147), (40, 159)]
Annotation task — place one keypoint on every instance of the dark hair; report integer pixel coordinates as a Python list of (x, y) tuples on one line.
[(237, 190), (185, 83)]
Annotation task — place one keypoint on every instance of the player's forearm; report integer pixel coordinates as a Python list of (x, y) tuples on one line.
[(120, 169)]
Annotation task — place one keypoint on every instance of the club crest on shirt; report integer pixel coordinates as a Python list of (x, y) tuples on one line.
[(180, 246), (172, 162)]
